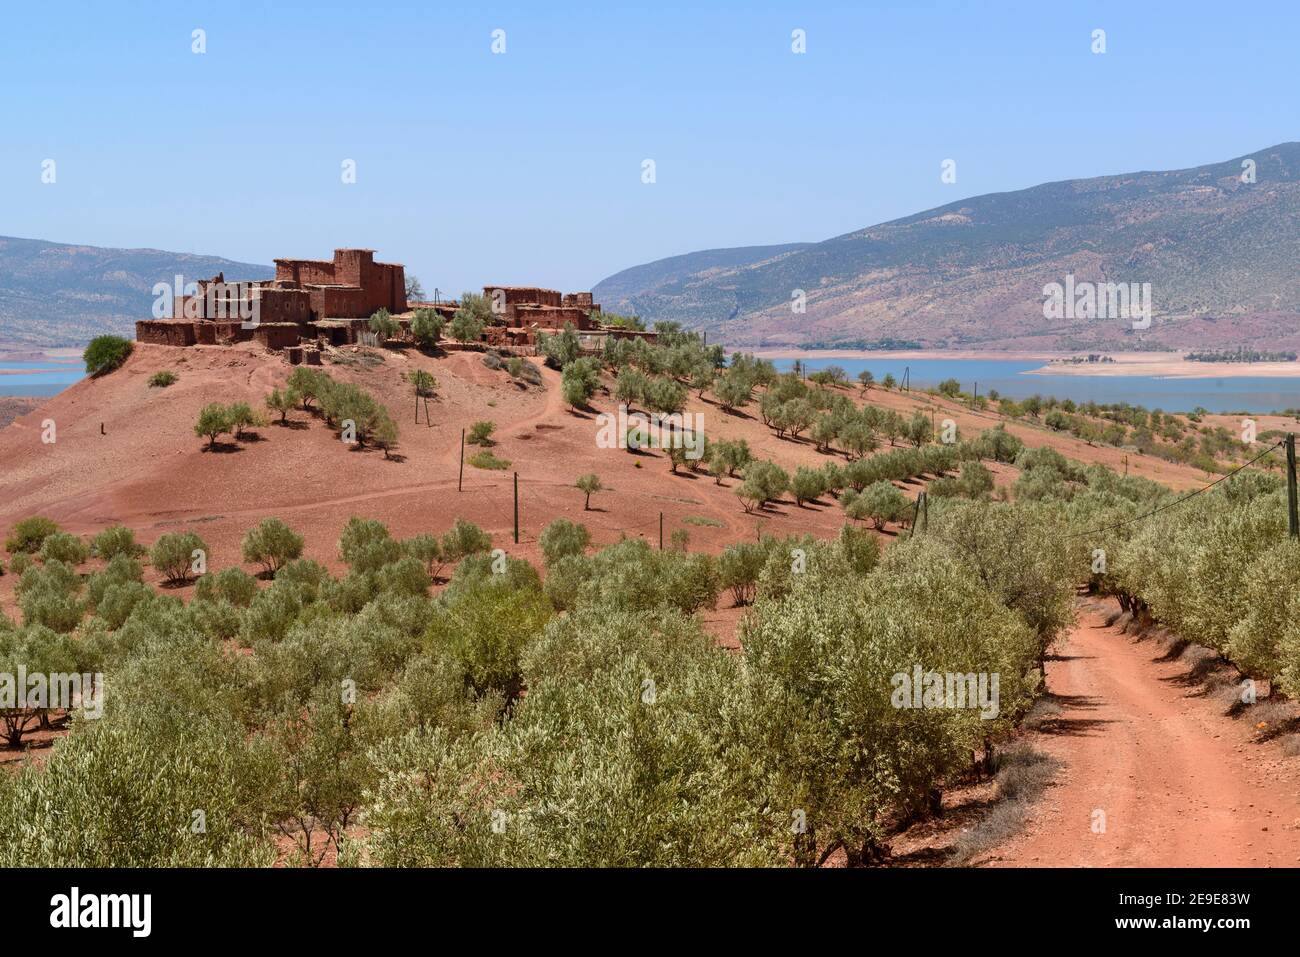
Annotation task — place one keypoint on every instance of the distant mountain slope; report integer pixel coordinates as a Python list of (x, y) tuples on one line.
[(1219, 254), (52, 294), (620, 292)]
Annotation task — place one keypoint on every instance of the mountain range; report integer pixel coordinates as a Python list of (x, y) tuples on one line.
[(1218, 245), (54, 294)]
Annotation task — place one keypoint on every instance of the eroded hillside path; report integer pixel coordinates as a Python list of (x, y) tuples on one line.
[(1180, 784)]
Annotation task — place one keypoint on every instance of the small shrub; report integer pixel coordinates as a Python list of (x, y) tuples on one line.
[(64, 547), (704, 521), (106, 353), (563, 538), (366, 545), (113, 541), (214, 421), (486, 460), (272, 544), (283, 401), (174, 555), (29, 534), (232, 585), (589, 484), (161, 380), (464, 539)]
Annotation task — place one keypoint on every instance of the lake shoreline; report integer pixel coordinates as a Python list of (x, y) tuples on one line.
[(1161, 365)]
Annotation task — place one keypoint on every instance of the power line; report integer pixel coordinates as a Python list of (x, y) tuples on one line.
[(1180, 501)]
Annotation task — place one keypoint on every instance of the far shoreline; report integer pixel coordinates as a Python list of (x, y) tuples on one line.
[(1160, 365)]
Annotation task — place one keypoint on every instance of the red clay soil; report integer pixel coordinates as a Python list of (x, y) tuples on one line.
[(1181, 784), (149, 471)]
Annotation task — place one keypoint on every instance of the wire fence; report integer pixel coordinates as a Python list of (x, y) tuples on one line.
[(1179, 501)]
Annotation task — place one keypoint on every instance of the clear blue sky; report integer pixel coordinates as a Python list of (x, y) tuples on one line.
[(526, 167)]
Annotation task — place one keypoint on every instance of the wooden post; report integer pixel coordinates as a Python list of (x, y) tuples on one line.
[(460, 482), (1291, 486), (661, 531), (516, 508)]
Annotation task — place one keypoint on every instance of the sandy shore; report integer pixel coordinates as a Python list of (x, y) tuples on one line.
[(1160, 364), (902, 354), (61, 355), (1172, 365)]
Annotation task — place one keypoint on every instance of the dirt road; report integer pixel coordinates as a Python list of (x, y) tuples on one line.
[(1178, 783)]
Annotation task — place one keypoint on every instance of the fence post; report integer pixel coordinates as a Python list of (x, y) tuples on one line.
[(516, 508), (661, 531), (1291, 486), (461, 480)]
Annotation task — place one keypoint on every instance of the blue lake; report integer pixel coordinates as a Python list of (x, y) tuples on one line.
[(23, 382), (1234, 394)]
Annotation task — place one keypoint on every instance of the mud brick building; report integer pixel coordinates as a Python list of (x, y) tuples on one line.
[(309, 299), (523, 311), (312, 303)]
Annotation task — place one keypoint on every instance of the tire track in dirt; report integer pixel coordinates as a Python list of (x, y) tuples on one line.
[(1179, 783)]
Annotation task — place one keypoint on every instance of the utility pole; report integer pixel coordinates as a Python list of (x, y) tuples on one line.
[(461, 480), (516, 508), (1291, 486)]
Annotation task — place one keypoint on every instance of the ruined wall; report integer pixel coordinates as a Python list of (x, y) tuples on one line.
[(165, 332), (304, 271), (524, 295), (220, 333), (277, 335), (552, 317), (285, 305)]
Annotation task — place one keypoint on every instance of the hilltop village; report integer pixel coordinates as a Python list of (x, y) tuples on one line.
[(314, 304)]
